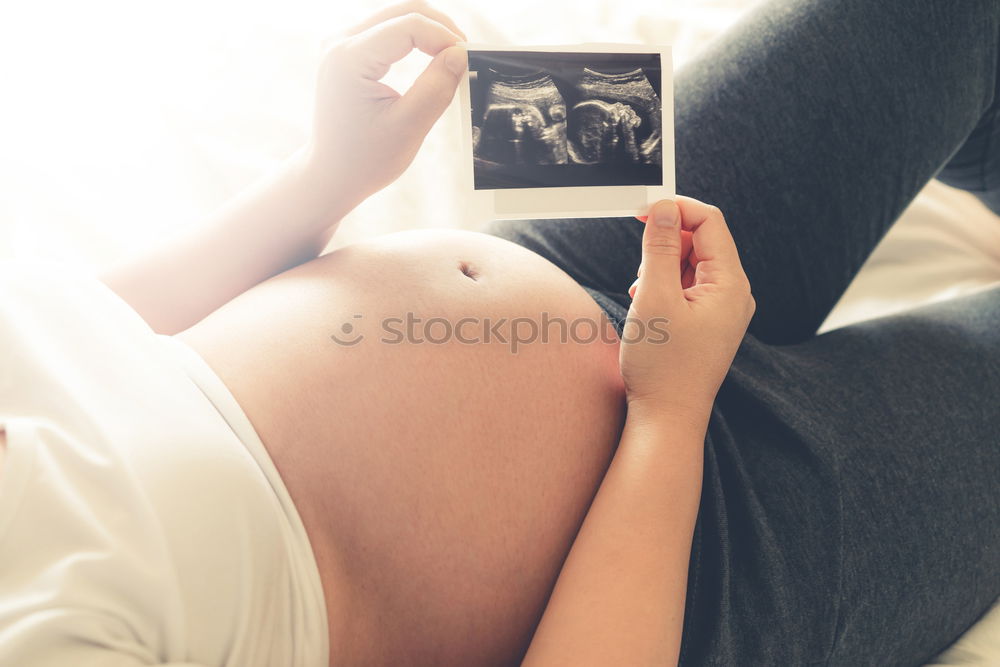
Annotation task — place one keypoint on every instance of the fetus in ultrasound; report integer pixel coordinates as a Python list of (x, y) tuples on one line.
[(604, 133), (524, 121), (605, 126)]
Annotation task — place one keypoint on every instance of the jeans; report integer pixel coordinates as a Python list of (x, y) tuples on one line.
[(851, 504)]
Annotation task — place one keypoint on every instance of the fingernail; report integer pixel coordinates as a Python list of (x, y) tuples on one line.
[(666, 215), (455, 60)]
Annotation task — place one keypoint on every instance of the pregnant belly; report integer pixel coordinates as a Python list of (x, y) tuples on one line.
[(442, 406)]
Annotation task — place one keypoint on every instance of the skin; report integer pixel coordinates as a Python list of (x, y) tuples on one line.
[(467, 505), (441, 485), (621, 593)]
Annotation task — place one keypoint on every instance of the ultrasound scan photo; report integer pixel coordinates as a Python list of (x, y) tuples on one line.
[(544, 119)]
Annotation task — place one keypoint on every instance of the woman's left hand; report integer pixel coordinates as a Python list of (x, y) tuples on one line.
[(690, 309), (365, 134)]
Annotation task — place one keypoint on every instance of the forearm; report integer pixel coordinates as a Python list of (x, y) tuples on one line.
[(620, 596), (364, 136), (280, 222)]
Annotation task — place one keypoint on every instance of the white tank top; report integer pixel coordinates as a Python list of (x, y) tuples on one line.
[(141, 519)]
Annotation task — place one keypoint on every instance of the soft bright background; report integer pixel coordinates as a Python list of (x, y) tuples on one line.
[(124, 121)]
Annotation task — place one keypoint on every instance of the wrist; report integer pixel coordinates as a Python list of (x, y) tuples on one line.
[(326, 193), (692, 416)]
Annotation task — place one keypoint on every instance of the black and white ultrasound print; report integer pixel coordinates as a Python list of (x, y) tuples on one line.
[(544, 119)]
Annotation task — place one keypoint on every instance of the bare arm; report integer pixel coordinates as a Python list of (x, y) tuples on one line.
[(281, 222), (620, 596), (364, 136)]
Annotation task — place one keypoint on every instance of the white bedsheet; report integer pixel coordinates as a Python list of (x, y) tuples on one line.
[(123, 121)]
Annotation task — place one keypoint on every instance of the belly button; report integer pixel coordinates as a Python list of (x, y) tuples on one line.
[(468, 270)]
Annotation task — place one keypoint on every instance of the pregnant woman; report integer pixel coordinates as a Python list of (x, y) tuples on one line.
[(311, 472)]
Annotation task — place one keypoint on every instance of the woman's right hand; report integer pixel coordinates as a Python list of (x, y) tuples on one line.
[(365, 134), (692, 286)]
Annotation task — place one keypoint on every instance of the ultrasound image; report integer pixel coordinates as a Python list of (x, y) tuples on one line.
[(565, 119), (610, 118), (524, 121)]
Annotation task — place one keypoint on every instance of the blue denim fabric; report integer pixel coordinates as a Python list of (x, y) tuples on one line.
[(851, 504)]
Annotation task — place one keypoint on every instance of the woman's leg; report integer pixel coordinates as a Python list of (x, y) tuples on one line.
[(906, 410), (812, 124)]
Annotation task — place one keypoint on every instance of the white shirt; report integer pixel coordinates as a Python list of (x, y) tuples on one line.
[(141, 519)]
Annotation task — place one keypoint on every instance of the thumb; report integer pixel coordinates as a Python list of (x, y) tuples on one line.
[(661, 254), (420, 107)]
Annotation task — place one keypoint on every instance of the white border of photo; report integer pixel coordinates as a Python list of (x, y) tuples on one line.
[(579, 201)]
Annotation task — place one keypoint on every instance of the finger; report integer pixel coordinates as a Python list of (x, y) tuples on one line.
[(712, 244), (709, 232), (688, 257), (661, 255), (420, 107), (378, 48), (686, 244), (689, 260), (687, 277), (402, 9)]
